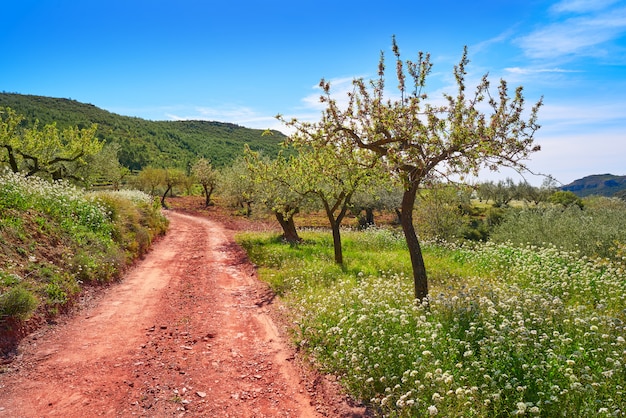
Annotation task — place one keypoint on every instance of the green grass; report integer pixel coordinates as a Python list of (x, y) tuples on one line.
[(507, 330)]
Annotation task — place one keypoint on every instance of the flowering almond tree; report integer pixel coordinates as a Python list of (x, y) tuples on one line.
[(419, 142)]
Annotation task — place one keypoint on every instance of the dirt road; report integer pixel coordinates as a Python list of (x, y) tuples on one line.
[(186, 333)]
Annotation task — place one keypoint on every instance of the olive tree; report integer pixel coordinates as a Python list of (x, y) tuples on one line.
[(381, 195), (418, 141), (105, 166), (149, 179), (171, 177)]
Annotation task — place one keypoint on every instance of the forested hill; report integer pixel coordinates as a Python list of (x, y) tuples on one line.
[(144, 142), (598, 184)]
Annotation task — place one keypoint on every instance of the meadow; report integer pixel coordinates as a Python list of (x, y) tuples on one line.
[(509, 330)]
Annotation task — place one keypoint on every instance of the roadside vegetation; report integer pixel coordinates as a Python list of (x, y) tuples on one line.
[(56, 238), (507, 330)]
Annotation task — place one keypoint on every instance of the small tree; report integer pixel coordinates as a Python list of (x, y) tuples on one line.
[(439, 213), (105, 166), (237, 186), (277, 187), (171, 178), (382, 194), (149, 179), (203, 171), (500, 193), (333, 174), (418, 141), (566, 199), (48, 152)]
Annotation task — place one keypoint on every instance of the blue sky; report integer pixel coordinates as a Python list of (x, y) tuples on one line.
[(246, 61)]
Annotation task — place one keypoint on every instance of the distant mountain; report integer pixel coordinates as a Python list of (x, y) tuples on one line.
[(598, 184), (144, 142)]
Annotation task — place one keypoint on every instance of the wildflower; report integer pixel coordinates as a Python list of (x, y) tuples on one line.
[(432, 410)]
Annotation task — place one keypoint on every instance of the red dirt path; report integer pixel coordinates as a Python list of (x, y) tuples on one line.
[(188, 332)]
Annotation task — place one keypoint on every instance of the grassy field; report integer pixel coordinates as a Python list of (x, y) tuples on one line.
[(507, 330)]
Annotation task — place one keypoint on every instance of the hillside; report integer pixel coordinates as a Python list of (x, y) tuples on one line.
[(598, 184), (144, 142)]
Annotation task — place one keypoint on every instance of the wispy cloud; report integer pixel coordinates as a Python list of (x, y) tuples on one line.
[(582, 6), (485, 45), (585, 35), (240, 115), (586, 112), (339, 89), (527, 71)]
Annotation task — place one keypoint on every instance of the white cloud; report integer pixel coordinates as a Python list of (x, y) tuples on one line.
[(587, 113), (485, 45), (243, 116), (526, 71), (576, 36), (582, 6), (339, 89)]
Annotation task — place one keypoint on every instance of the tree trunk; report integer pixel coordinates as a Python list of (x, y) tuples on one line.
[(369, 217), (335, 226), (290, 234), (367, 220), (163, 197), (420, 279), (398, 220), (12, 160), (208, 191)]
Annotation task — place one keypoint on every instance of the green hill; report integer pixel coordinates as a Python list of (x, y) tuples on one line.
[(144, 142), (598, 184)]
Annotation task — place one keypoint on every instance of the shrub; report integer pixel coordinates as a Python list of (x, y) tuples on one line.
[(17, 303)]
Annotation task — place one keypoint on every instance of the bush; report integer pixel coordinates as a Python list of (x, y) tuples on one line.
[(17, 303)]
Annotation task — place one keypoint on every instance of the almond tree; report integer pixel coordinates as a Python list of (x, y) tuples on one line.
[(47, 151), (419, 141), (332, 174), (207, 177), (277, 189)]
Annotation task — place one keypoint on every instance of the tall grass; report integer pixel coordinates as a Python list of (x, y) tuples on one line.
[(506, 331)]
